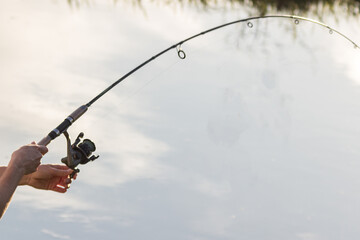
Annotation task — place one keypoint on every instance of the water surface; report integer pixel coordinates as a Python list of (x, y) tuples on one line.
[(254, 135)]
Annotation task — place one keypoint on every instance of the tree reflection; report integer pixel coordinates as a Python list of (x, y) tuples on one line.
[(261, 7), (317, 7)]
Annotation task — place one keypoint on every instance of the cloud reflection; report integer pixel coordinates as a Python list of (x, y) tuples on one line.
[(54, 234), (44, 200)]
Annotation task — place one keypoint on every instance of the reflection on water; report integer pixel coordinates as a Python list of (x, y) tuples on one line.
[(254, 135)]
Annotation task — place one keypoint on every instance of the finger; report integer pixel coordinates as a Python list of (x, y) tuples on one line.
[(37, 163), (59, 189), (64, 181), (67, 181), (37, 160), (59, 166), (33, 168), (61, 172), (37, 156), (42, 149)]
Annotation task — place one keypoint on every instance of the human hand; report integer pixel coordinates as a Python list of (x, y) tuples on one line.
[(27, 158), (50, 177)]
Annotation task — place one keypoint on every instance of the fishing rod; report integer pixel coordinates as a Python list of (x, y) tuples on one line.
[(80, 152)]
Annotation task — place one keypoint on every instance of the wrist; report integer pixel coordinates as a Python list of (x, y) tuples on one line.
[(16, 168), (25, 180), (14, 173)]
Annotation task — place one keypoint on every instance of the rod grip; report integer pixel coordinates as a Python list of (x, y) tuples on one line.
[(45, 141), (64, 125)]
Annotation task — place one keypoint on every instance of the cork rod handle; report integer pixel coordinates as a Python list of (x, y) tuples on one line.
[(64, 125)]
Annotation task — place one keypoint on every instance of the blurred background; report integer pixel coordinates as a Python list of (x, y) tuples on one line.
[(254, 135)]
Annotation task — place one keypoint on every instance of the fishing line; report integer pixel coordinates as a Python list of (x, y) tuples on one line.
[(137, 91), (80, 152), (155, 77)]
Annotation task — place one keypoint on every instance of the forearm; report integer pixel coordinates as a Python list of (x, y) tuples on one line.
[(2, 170), (23, 181), (9, 180)]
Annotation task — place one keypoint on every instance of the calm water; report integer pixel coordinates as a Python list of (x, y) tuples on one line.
[(255, 135)]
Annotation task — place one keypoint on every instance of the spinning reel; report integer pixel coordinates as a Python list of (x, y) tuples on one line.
[(79, 152)]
